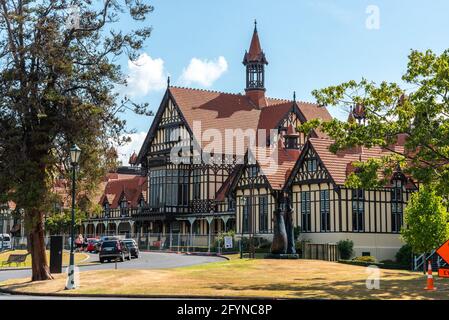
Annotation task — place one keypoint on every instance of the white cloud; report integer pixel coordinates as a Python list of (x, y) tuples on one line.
[(125, 152), (204, 72), (145, 75)]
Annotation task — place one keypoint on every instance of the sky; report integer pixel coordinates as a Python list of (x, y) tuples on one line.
[(310, 44)]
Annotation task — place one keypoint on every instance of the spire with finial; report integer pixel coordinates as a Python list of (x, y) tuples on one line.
[(255, 61), (294, 96), (168, 81)]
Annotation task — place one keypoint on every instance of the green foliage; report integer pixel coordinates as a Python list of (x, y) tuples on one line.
[(404, 255), (59, 223), (365, 259), (296, 232), (345, 247), (426, 221), (59, 87), (420, 114)]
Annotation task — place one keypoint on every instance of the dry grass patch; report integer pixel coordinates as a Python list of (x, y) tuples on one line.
[(79, 258), (247, 278)]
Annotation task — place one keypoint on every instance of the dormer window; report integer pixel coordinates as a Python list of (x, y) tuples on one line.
[(123, 207), (311, 165), (291, 143), (106, 209)]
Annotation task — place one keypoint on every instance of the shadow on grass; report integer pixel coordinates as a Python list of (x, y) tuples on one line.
[(389, 289)]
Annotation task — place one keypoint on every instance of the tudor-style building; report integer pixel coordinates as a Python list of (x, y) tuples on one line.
[(325, 210), (196, 194)]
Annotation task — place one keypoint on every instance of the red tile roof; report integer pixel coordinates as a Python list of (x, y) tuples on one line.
[(131, 186), (221, 111), (276, 164), (340, 164)]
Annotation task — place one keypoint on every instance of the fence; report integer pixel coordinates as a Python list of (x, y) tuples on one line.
[(326, 251), (154, 241)]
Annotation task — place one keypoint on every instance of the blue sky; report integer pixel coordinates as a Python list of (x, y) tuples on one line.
[(310, 44)]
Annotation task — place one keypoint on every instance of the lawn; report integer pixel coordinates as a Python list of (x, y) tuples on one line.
[(79, 257), (246, 278)]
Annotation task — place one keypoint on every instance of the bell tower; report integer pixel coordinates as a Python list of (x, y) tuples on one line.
[(255, 61)]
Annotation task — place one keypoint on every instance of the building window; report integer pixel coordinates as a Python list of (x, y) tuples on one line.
[(196, 184), (312, 165), (252, 171), (396, 206), (246, 214), (107, 210), (171, 134), (306, 212), (291, 143), (325, 210), (124, 208), (358, 210), (263, 213), (157, 183)]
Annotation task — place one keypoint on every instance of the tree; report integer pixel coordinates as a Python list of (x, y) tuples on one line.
[(58, 80), (420, 114), (426, 221), (60, 222)]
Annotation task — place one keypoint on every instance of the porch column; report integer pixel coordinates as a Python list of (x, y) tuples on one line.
[(225, 221), (131, 223), (209, 221), (95, 229), (191, 221)]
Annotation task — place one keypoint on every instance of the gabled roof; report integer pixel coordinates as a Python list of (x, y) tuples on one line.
[(118, 186), (339, 165), (278, 171), (221, 111)]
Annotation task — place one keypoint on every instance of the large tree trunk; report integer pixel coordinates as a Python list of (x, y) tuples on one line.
[(39, 264)]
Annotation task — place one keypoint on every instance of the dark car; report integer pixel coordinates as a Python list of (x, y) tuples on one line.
[(114, 249), (132, 247)]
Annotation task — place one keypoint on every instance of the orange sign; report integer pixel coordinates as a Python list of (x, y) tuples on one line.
[(443, 251), (443, 273)]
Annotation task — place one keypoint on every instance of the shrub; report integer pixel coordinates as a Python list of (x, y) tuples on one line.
[(296, 232), (365, 259), (345, 247), (404, 255)]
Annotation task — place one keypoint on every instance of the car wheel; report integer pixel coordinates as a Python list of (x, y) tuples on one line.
[(101, 260)]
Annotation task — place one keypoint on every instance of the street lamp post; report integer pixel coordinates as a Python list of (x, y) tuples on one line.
[(75, 153)]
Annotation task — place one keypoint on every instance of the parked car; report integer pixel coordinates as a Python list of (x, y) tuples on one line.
[(92, 245), (5, 241), (132, 247), (114, 249)]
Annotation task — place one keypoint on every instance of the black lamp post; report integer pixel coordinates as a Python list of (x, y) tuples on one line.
[(75, 153)]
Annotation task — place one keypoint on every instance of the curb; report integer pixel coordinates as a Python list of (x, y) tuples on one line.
[(136, 296), (200, 254)]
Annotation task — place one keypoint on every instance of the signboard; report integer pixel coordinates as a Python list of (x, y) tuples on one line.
[(443, 251), (443, 272), (228, 242)]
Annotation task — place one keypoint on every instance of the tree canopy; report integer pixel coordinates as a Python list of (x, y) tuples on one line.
[(426, 221), (58, 86), (419, 111)]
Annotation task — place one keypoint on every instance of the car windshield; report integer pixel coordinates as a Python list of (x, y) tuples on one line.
[(108, 244), (129, 243)]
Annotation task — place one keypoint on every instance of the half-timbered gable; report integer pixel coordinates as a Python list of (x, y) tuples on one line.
[(328, 211)]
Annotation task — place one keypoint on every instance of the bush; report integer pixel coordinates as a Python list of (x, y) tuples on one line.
[(296, 232), (404, 255), (365, 259), (345, 247)]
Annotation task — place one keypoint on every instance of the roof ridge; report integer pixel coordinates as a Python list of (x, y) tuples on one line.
[(237, 94), (206, 90)]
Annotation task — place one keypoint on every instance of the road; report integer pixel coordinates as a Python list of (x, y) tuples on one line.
[(147, 260)]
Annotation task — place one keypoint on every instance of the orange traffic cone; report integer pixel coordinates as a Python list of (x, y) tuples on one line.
[(429, 278)]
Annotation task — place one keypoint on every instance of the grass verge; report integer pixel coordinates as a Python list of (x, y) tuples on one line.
[(245, 278), (79, 257)]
